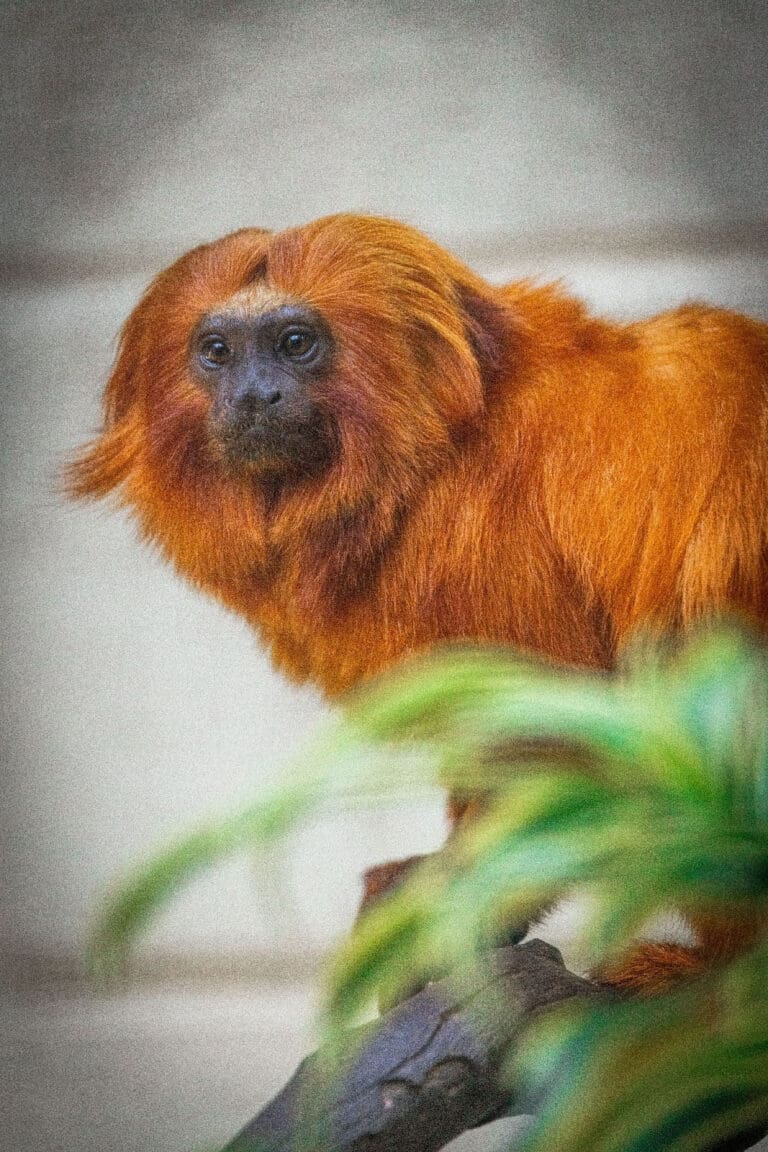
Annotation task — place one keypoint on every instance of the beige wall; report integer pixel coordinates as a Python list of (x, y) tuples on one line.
[(622, 146)]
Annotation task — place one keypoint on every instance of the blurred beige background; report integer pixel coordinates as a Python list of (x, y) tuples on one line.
[(623, 147)]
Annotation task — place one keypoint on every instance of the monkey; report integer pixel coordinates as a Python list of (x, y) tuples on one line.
[(365, 449)]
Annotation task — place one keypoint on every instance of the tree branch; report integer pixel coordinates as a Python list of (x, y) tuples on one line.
[(429, 1069)]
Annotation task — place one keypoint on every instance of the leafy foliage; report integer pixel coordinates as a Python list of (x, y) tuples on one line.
[(643, 790)]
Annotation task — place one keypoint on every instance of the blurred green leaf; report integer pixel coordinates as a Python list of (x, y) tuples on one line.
[(676, 1073), (643, 790)]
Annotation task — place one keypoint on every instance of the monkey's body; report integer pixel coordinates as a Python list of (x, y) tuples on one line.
[(449, 461), (602, 493)]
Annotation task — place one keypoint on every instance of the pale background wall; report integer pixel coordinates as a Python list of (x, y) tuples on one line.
[(622, 146)]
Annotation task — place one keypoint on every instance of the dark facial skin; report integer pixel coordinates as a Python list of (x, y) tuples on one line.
[(262, 373)]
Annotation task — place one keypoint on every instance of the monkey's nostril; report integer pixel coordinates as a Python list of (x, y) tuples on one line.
[(250, 399)]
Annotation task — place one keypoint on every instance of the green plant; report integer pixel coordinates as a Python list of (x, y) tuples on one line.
[(644, 790)]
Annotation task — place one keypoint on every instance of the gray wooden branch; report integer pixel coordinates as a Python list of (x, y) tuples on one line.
[(429, 1070)]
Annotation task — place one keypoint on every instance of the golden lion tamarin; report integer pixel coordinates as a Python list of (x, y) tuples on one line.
[(364, 448)]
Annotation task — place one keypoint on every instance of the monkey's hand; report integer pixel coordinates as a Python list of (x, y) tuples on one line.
[(383, 879)]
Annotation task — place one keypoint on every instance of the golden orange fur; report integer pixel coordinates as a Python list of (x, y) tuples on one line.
[(507, 467)]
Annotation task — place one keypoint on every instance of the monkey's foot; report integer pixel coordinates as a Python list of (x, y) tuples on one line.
[(651, 967)]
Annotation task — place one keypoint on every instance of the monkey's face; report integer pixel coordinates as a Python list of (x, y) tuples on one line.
[(316, 376), (262, 362)]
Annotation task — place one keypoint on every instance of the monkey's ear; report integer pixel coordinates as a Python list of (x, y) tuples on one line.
[(490, 332), (106, 462), (475, 343)]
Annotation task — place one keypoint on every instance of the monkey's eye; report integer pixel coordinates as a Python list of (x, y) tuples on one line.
[(297, 344), (215, 352)]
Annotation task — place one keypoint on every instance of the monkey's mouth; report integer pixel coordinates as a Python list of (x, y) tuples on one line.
[(264, 445)]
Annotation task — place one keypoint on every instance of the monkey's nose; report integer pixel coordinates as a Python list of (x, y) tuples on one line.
[(267, 393), (253, 397)]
